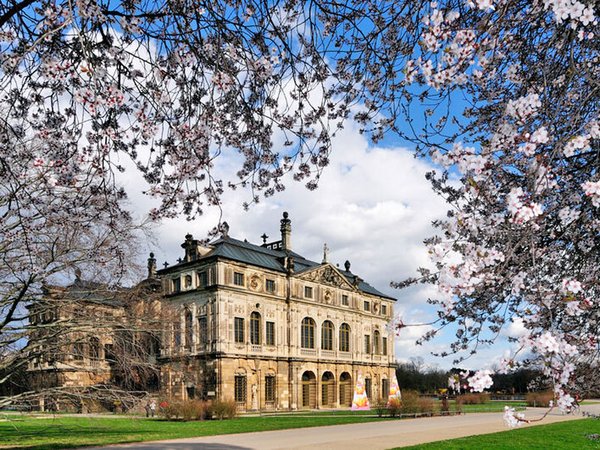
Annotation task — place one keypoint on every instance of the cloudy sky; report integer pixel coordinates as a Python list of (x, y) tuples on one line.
[(373, 207)]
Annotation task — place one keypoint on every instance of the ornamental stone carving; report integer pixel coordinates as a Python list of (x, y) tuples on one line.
[(254, 283), (327, 275)]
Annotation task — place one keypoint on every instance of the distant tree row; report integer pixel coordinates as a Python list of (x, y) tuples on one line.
[(416, 375)]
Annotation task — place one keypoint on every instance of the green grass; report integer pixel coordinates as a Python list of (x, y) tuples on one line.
[(68, 432), (57, 432), (557, 436)]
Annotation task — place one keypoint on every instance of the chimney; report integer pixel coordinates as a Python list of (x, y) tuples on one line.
[(152, 266), (286, 233)]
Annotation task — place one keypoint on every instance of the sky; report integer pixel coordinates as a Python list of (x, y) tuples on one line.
[(373, 207)]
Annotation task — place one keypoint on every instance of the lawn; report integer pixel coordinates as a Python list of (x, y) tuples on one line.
[(557, 436), (67, 432), (60, 431)]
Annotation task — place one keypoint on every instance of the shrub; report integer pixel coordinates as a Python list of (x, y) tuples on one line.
[(539, 398), (473, 398), (194, 410), (186, 410), (170, 410), (380, 407), (426, 405), (394, 407), (224, 409), (410, 402)]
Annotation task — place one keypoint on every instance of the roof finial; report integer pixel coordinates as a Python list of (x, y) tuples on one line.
[(264, 237), (286, 232), (225, 229), (325, 254), (347, 266)]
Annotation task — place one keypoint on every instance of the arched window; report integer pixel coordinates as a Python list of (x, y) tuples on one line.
[(345, 338), (308, 333), (376, 341), (327, 335), (255, 328)]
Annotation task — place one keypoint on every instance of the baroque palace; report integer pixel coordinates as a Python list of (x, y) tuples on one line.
[(264, 326)]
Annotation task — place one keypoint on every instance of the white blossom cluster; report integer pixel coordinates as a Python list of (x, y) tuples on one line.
[(592, 190), (481, 380), (520, 210), (512, 418), (572, 11)]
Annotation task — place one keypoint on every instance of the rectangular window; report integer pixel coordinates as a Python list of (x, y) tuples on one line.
[(109, 352), (78, 351), (255, 328), (308, 292), (384, 346), (238, 279), (384, 310), (367, 343), (203, 330), (270, 336), (270, 286), (345, 301), (240, 389), (189, 331), (202, 279), (270, 388), (176, 284), (367, 306), (385, 388), (177, 336), (344, 338), (239, 330), (368, 388)]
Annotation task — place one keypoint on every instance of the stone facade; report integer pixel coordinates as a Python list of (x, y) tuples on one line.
[(271, 330), (258, 324)]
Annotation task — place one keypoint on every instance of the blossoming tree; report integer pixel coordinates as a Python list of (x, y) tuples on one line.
[(504, 95)]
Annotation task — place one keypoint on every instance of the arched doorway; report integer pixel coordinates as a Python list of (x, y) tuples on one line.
[(309, 390), (328, 390), (345, 389)]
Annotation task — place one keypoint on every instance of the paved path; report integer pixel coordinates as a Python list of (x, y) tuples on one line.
[(373, 436)]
